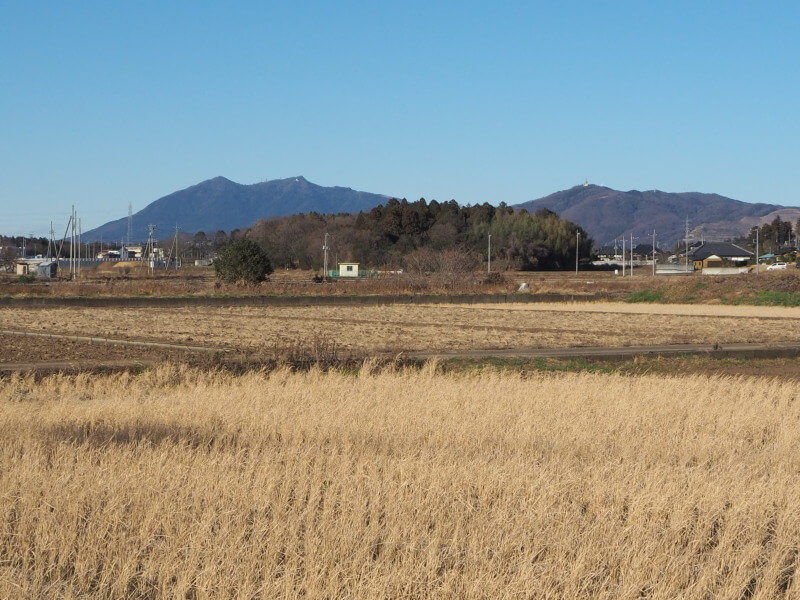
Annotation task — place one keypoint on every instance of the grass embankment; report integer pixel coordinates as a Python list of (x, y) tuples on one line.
[(770, 298), (412, 484), (201, 282), (780, 368), (757, 298), (765, 289), (645, 296)]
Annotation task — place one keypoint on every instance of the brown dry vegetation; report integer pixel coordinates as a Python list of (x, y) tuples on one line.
[(400, 327), (195, 281), (399, 484), (202, 282), (706, 310)]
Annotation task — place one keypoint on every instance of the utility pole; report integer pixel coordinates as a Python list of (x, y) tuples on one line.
[(325, 257), (654, 252), (631, 254), (623, 256), (80, 242), (577, 248), (686, 240), (176, 247), (757, 248), (151, 234), (72, 244), (130, 222), (489, 256), (51, 243)]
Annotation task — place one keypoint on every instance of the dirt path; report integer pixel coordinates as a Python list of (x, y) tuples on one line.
[(115, 341), (765, 349), (85, 358)]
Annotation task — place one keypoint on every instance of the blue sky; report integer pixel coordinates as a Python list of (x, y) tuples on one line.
[(106, 103)]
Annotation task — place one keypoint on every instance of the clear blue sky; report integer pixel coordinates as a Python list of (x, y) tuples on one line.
[(105, 103)]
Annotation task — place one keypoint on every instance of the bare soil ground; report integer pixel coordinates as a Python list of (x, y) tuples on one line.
[(37, 351), (400, 328)]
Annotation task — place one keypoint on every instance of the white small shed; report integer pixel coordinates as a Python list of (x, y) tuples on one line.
[(348, 269)]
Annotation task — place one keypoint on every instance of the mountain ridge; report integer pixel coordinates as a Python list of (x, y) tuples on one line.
[(220, 203), (606, 213)]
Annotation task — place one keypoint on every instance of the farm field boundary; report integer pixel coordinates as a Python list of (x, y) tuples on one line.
[(620, 353), (105, 340), (200, 301), (749, 350)]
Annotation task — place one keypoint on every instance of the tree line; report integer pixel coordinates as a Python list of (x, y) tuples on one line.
[(774, 236), (425, 236)]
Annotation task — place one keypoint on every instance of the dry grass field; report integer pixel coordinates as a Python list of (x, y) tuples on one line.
[(200, 281), (398, 484), (689, 310), (395, 328)]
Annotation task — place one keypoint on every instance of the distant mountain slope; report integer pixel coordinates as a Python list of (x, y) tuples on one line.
[(220, 203), (607, 214)]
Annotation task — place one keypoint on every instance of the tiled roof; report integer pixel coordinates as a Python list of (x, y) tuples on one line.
[(721, 249)]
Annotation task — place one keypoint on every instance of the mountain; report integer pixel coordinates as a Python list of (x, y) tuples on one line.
[(220, 203), (607, 214)]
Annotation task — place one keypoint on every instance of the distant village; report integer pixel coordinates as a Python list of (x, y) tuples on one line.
[(772, 246)]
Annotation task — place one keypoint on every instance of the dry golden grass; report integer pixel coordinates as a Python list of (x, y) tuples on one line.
[(708, 310), (178, 484), (393, 328)]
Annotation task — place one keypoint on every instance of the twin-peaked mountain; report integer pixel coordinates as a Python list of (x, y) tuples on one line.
[(222, 204), (606, 214)]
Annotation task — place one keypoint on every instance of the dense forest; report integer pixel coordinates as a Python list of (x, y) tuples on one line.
[(424, 236)]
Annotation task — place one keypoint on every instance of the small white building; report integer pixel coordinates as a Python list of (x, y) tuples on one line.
[(348, 269), (28, 266)]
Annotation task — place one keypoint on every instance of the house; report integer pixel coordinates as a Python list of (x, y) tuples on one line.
[(719, 255), (608, 254), (348, 269), (129, 252), (28, 266), (643, 252)]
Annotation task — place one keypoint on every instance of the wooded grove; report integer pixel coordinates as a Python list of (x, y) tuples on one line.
[(424, 236)]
